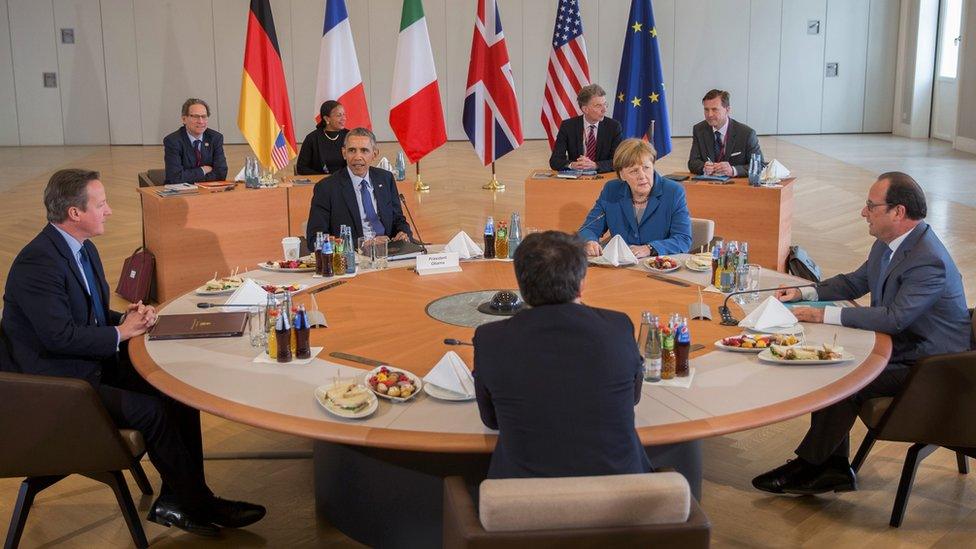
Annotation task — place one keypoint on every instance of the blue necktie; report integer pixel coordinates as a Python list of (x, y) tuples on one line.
[(93, 289), (718, 146), (371, 217), (885, 261)]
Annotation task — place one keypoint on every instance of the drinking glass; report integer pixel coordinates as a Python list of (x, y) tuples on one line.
[(741, 284), (754, 273), (364, 249), (380, 253), (256, 326)]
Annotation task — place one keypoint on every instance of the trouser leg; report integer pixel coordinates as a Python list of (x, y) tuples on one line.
[(829, 433)]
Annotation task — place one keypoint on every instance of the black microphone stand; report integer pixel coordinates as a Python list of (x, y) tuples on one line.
[(419, 239), (726, 313), (592, 221)]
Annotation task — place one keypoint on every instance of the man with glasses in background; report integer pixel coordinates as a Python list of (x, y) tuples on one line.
[(195, 152)]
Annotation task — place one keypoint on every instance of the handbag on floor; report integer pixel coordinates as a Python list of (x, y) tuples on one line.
[(135, 281)]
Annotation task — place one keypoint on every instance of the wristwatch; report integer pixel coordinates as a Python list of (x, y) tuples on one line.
[(652, 251)]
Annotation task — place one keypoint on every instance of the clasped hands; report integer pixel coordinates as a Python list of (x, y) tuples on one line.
[(400, 236), (718, 168), (582, 163), (593, 249), (803, 314), (137, 320)]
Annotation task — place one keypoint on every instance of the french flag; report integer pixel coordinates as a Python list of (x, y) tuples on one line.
[(338, 77)]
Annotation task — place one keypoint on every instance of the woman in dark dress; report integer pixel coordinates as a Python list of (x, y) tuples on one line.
[(321, 151)]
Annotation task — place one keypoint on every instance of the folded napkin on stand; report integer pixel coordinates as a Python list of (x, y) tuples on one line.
[(774, 172), (452, 374), (618, 253), (384, 164), (249, 293), (770, 315), (464, 246)]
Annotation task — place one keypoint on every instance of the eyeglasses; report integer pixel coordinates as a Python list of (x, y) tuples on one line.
[(198, 116), (871, 205)]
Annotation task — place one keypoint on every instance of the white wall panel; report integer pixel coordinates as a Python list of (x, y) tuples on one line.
[(610, 33), (307, 17), (847, 45), (711, 52), (84, 99), (384, 26), (176, 61), (764, 51), (121, 72), (460, 26), (35, 52), (879, 89), (538, 44), (8, 95), (230, 25), (801, 67)]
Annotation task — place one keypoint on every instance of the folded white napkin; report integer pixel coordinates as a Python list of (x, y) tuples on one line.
[(249, 293), (240, 174), (452, 373), (384, 163), (464, 246), (617, 252), (773, 172), (769, 315)]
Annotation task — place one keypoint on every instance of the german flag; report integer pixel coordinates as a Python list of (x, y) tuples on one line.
[(265, 114)]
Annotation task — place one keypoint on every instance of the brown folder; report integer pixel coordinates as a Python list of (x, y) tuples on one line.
[(199, 325)]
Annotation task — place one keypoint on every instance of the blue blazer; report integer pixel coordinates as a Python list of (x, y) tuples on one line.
[(48, 317), (334, 204), (919, 301), (560, 383), (181, 159), (666, 224)]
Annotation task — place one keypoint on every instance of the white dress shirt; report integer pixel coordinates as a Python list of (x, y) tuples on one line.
[(367, 228)]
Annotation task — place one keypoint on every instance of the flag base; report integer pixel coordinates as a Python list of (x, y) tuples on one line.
[(493, 185), (420, 186)]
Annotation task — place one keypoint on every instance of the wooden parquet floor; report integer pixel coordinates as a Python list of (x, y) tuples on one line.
[(829, 194)]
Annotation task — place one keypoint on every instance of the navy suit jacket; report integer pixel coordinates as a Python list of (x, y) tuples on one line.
[(181, 159), (740, 145), (920, 302), (334, 204), (48, 317), (569, 143), (560, 383), (666, 223)]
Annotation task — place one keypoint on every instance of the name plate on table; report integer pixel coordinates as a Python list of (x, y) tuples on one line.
[(438, 263)]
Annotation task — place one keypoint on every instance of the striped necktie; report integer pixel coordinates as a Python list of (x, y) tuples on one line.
[(591, 143)]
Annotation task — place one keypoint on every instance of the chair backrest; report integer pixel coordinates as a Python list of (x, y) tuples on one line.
[(938, 403), (702, 231), (55, 426), (972, 340), (152, 178)]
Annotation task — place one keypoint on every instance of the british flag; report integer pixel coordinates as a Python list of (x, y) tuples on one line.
[(491, 113), (279, 155)]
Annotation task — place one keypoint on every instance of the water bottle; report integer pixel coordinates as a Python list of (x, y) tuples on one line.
[(401, 166), (649, 345), (251, 173), (514, 234), (755, 169), (350, 251)]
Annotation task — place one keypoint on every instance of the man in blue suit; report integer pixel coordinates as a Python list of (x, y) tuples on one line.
[(360, 196), (57, 322), (916, 297), (194, 152), (560, 380)]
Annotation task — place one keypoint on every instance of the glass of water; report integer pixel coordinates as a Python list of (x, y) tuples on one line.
[(380, 253), (754, 273), (256, 326)]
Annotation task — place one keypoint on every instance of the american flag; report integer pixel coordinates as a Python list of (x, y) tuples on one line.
[(568, 69), (491, 113), (279, 155)]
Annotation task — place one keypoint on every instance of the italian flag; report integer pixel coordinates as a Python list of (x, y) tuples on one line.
[(416, 115)]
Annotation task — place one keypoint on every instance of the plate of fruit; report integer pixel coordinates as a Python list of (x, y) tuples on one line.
[(663, 264), (346, 398), (282, 288), (754, 343), (393, 384), (301, 265)]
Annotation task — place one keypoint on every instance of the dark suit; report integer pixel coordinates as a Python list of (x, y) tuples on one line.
[(181, 158), (570, 146), (740, 144), (334, 204), (49, 321), (920, 304), (318, 151), (560, 383)]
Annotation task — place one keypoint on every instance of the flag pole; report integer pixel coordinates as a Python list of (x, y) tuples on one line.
[(493, 184), (420, 186)]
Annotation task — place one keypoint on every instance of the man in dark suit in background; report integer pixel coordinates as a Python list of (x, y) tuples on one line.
[(560, 380), (720, 145), (194, 152), (916, 297), (57, 322), (588, 141), (360, 196)]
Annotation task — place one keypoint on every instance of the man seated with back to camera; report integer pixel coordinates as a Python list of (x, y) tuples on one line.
[(559, 380)]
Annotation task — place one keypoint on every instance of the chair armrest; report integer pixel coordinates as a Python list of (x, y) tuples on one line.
[(461, 520)]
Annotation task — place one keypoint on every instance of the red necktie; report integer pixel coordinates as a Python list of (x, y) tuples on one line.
[(196, 149), (591, 143)]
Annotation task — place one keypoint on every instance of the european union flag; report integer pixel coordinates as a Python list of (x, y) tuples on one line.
[(640, 86)]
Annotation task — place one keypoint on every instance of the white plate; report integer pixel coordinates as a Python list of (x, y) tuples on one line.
[(332, 409), (795, 329), (694, 267), (767, 356), (274, 269), (202, 290), (599, 260), (739, 349), (416, 383), (647, 263), (299, 286), (443, 394)]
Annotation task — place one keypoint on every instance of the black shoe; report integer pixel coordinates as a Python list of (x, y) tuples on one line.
[(834, 476), (773, 481), (171, 514), (234, 514)]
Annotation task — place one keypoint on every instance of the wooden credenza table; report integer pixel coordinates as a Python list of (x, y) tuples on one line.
[(761, 216)]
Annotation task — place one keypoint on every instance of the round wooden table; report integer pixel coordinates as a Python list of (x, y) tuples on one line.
[(382, 315)]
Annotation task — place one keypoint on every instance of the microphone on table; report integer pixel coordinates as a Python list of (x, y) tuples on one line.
[(728, 320), (419, 240), (452, 341), (590, 222), (204, 305)]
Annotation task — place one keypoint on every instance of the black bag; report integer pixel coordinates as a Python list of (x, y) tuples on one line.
[(799, 263)]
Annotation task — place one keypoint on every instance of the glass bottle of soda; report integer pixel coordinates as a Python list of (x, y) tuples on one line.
[(490, 238), (327, 270), (681, 349), (283, 335), (302, 348), (668, 358), (319, 261), (501, 241)]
